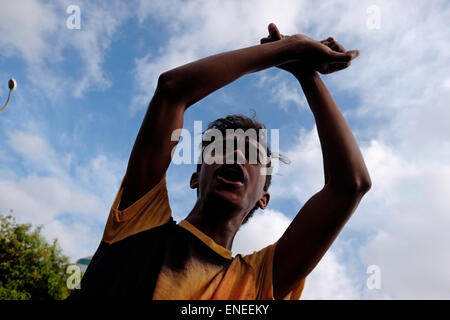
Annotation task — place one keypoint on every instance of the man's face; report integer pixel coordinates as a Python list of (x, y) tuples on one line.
[(238, 184)]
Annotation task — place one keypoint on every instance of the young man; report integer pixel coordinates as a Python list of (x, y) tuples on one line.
[(144, 253)]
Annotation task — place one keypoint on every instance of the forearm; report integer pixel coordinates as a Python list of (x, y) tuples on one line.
[(343, 163), (190, 83)]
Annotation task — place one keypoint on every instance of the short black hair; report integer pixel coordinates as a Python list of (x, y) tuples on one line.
[(239, 121)]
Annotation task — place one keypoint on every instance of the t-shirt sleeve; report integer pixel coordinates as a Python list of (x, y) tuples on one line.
[(262, 262), (150, 211)]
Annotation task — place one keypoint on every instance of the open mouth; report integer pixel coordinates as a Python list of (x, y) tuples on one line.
[(231, 173)]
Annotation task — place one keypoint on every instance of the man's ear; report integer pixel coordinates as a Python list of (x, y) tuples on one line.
[(194, 181), (264, 200)]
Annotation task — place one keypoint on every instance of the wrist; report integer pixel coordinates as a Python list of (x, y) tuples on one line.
[(293, 48), (304, 73)]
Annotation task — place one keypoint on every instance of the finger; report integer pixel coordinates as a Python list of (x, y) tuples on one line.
[(327, 41), (354, 53), (338, 66), (273, 31), (344, 56), (336, 46), (266, 40), (333, 44)]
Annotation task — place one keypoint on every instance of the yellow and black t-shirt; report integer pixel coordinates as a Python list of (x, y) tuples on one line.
[(145, 253)]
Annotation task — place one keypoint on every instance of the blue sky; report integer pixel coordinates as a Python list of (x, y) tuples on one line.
[(67, 134)]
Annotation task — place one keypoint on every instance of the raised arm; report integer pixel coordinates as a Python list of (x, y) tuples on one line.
[(179, 88), (320, 220)]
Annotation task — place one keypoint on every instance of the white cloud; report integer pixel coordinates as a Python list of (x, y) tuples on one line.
[(330, 280), (76, 239), (43, 198), (29, 145), (403, 217), (409, 210), (400, 66), (25, 26), (250, 238), (398, 81), (306, 167), (100, 23), (283, 93), (55, 188), (204, 27), (446, 83), (36, 31), (102, 175), (182, 197)]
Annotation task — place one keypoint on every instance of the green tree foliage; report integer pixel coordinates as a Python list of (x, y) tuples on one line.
[(30, 267)]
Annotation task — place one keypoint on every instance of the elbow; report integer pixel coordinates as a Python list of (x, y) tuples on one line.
[(359, 182), (169, 88), (165, 85), (362, 185), (355, 187)]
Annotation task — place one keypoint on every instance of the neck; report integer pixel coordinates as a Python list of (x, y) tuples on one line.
[(215, 223)]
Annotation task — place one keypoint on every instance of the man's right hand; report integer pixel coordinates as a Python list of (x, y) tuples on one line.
[(326, 56)]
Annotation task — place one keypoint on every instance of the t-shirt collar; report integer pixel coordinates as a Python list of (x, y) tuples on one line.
[(224, 252)]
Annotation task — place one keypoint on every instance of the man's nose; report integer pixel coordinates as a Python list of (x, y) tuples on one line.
[(237, 156)]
